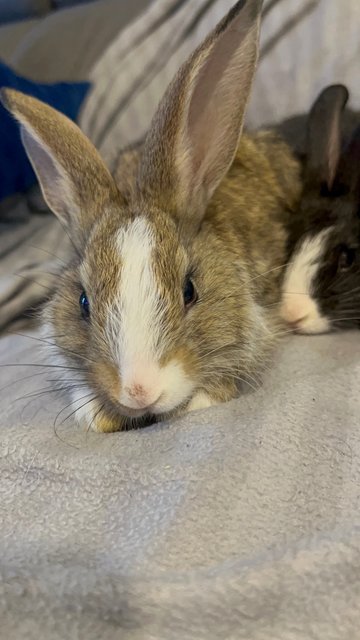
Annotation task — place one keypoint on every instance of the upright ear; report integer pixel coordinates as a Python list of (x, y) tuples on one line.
[(324, 135), (349, 171), (195, 132), (74, 180)]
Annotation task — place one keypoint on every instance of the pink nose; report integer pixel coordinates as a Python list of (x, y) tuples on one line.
[(295, 309), (295, 319), (137, 396)]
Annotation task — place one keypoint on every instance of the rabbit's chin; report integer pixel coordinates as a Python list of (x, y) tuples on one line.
[(94, 415)]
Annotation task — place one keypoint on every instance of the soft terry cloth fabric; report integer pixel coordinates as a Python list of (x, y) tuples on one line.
[(241, 522)]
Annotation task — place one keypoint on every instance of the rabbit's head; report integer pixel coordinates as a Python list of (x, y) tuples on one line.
[(321, 288)]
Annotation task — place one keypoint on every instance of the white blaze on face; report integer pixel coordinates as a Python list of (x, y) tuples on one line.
[(136, 321), (141, 309), (299, 307), (136, 325)]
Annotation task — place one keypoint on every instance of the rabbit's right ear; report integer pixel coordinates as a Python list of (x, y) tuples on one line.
[(74, 179), (324, 135), (195, 132)]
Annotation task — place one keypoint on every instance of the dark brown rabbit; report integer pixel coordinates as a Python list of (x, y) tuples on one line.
[(321, 288)]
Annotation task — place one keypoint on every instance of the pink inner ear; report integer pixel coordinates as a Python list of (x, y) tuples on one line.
[(49, 173), (206, 105), (195, 131), (218, 102)]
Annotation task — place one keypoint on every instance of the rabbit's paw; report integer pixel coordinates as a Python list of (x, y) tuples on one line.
[(201, 401), (93, 416)]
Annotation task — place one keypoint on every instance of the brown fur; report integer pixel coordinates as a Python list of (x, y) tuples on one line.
[(218, 210), (236, 259)]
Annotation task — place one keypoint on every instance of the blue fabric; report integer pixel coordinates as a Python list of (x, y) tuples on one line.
[(16, 174)]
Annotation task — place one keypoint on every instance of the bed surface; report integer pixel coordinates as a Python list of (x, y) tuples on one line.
[(237, 522)]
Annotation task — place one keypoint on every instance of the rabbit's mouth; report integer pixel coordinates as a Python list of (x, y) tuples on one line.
[(155, 412), (147, 411), (129, 412)]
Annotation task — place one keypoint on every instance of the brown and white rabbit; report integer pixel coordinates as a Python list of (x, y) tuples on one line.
[(321, 287), (164, 306)]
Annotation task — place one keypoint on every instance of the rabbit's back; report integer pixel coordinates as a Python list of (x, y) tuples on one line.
[(251, 208)]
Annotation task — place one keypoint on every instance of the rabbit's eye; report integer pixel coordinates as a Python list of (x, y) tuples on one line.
[(190, 295), (84, 305), (346, 258)]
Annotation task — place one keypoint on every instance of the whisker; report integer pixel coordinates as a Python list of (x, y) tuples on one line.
[(32, 280), (45, 390), (295, 293), (53, 255), (81, 407), (220, 348), (77, 250), (10, 384), (46, 366), (53, 344), (94, 418), (265, 273), (348, 309), (44, 286)]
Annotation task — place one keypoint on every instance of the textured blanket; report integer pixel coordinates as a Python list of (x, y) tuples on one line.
[(299, 56), (240, 522)]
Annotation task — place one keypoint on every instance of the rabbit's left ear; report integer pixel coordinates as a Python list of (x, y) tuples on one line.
[(195, 132)]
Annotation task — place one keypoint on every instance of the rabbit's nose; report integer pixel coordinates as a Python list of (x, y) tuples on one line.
[(302, 313), (139, 396), (296, 308), (294, 311)]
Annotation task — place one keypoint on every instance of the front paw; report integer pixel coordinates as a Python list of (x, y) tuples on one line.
[(106, 423), (94, 417), (201, 401)]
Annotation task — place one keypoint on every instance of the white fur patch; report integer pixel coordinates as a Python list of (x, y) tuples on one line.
[(83, 404), (299, 307), (136, 319), (136, 324), (85, 407), (201, 400), (175, 385)]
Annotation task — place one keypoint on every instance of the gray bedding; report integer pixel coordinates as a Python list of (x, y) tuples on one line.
[(238, 522)]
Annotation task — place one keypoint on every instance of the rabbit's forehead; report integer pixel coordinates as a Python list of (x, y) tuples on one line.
[(143, 267), (118, 255), (152, 261)]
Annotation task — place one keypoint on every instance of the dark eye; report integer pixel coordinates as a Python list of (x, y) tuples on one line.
[(346, 258), (84, 306), (190, 295)]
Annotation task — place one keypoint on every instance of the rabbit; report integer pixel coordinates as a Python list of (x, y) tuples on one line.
[(321, 286), (294, 130), (169, 302)]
